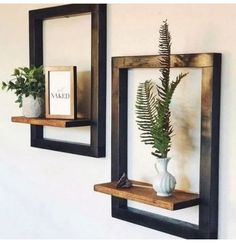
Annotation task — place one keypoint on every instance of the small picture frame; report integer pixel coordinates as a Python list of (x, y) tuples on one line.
[(60, 92)]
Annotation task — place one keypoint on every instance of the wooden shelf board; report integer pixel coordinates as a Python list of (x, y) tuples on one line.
[(52, 122), (147, 195)]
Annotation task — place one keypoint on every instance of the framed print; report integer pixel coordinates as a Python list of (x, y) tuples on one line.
[(60, 92)]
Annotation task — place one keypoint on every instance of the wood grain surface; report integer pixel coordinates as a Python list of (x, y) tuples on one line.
[(144, 193), (51, 122)]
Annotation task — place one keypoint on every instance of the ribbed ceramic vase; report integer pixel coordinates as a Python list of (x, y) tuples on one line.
[(164, 183), (32, 108)]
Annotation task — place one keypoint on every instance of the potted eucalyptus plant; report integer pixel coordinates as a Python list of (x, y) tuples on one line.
[(153, 114), (28, 85)]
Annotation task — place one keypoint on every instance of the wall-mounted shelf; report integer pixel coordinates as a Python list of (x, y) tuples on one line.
[(52, 122), (96, 148), (144, 193), (207, 227)]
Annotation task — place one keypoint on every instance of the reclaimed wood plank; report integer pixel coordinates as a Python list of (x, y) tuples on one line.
[(144, 193), (51, 122)]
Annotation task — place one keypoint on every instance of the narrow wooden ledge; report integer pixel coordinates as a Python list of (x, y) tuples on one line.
[(145, 194), (52, 122)]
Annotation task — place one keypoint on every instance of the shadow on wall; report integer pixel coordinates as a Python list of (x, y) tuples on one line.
[(186, 121), (84, 94)]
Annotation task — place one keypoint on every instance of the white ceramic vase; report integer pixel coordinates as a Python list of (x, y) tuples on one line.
[(164, 183), (32, 108)]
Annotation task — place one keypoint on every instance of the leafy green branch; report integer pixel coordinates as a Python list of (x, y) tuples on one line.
[(26, 82)]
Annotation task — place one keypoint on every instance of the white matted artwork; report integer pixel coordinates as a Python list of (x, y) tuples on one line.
[(60, 92)]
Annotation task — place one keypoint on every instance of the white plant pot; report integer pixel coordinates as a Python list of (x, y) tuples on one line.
[(164, 183), (32, 108)]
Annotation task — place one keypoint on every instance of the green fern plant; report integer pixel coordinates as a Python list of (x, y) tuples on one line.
[(153, 108)]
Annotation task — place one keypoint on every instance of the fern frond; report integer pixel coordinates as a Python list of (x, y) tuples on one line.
[(175, 83), (164, 51), (146, 110), (153, 113)]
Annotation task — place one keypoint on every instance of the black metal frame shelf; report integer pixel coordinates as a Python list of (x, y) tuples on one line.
[(210, 64), (98, 84)]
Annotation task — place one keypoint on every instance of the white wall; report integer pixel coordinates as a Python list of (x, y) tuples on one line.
[(47, 194)]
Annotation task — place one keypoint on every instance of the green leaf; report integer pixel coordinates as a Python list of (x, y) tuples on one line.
[(16, 72), (4, 85)]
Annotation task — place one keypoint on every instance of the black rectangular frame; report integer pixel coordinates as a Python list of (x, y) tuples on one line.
[(210, 63), (98, 84)]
